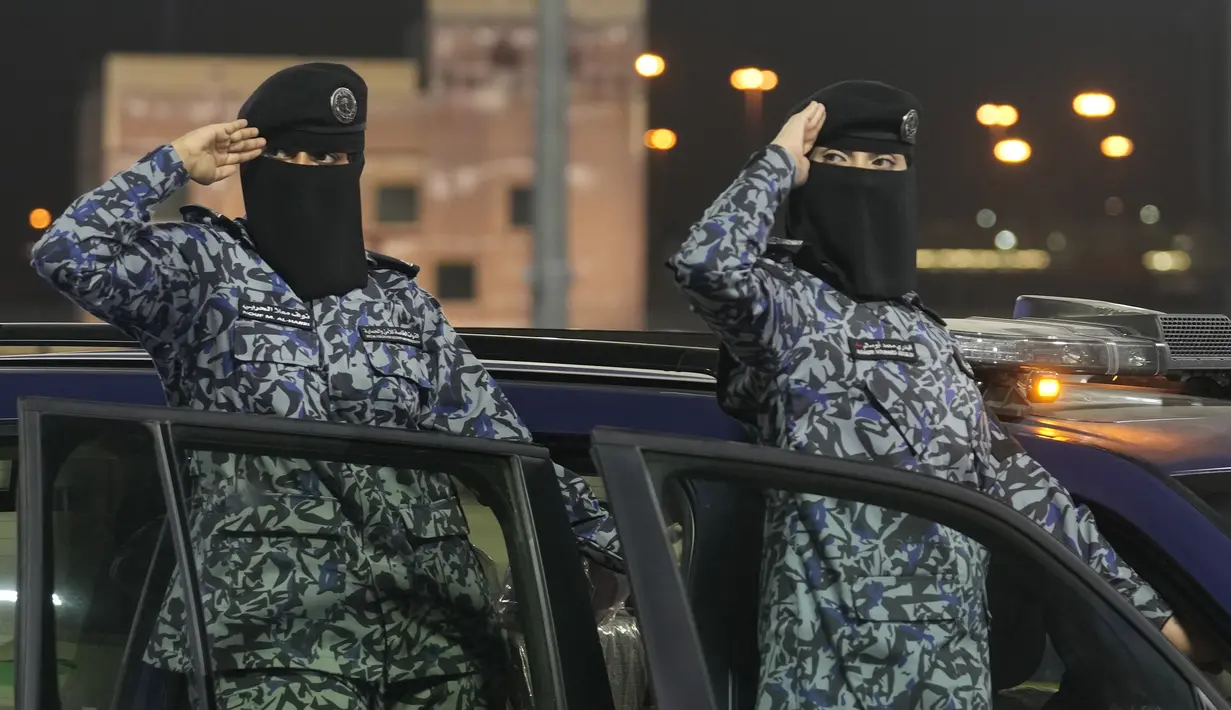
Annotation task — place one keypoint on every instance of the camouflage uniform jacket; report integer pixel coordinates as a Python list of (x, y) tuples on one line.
[(360, 571), (864, 607)]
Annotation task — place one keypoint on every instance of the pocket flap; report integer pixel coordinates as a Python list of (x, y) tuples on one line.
[(921, 598), (268, 342), (394, 360)]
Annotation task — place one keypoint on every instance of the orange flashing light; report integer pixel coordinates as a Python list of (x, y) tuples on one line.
[(1044, 388)]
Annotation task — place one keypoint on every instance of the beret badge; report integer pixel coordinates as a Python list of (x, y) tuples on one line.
[(910, 126), (344, 105)]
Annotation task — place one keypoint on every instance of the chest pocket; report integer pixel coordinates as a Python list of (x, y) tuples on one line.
[(277, 369), (921, 410), (397, 383)]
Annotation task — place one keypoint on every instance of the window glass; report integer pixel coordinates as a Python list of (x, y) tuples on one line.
[(107, 520), (876, 576), (521, 206), (1213, 487), (280, 542), (8, 572), (397, 204), (455, 281)]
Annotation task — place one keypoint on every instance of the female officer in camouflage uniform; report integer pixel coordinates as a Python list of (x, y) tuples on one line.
[(834, 354), (324, 587)]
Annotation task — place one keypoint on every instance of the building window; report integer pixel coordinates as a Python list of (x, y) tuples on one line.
[(506, 56), (455, 281), (397, 203), (521, 206)]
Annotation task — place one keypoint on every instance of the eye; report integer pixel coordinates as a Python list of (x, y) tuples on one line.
[(834, 156), (884, 162), (279, 154), (325, 158)]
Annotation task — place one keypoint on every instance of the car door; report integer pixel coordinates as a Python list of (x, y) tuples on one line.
[(1111, 656), (104, 519)]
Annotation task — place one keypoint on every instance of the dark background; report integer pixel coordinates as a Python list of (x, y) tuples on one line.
[(1161, 61)]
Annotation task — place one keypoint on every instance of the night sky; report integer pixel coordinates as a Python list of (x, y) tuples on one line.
[(1155, 58)]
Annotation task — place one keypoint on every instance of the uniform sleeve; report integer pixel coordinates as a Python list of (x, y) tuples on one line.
[(469, 402), (719, 270), (105, 256), (1018, 480)]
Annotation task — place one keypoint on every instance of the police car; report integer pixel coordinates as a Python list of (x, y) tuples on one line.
[(1129, 408)]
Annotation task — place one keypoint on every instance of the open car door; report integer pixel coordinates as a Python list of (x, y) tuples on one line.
[(104, 520), (1061, 636)]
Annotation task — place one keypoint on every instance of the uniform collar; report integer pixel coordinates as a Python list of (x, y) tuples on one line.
[(238, 229)]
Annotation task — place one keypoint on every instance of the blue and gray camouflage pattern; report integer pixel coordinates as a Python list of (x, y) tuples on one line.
[(306, 690), (864, 607), (362, 572)]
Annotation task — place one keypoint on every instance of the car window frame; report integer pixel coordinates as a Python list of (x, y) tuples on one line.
[(637, 492), (561, 643), (1207, 600)]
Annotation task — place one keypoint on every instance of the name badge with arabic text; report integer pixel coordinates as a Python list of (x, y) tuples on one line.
[(276, 314)]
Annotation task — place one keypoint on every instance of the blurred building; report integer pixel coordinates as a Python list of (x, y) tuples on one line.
[(449, 158)]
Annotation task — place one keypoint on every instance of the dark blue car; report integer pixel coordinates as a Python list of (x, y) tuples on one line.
[(1130, 409)]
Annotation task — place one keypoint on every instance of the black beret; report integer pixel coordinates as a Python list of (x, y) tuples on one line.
[(866, 115), (316, 107)]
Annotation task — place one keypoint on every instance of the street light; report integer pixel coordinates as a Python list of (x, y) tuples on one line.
[(749, 79), (1012, 150), (659, 139), (1117, 147), (40, 218), (754, 83), (650, 65), (993, 115), (1094, 105)]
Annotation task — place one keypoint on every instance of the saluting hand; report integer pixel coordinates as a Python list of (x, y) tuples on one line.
[(213, 153), (798, 136)]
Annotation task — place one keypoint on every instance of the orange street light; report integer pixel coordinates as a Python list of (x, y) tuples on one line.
[(659, 139), (1117, 147), (993, 115), (1094, 105), (40, 218), (650, 65), (748, 79), (1012, 151)]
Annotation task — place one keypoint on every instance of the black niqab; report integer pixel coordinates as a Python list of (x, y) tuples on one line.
[(307, 223), (860, 229)]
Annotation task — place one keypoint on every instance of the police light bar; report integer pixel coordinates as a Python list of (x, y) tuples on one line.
[(1195, 341), (1057, 346)]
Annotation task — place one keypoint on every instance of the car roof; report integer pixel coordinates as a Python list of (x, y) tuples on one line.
[(1177, 433)]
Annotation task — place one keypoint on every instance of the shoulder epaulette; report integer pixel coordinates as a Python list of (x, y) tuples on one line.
[(380, 261), (782, 251), (196, 214), (202, 215), (914, 301)]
